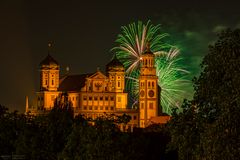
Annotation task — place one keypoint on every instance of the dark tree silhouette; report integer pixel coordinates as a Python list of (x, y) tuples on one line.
[(208, 127)]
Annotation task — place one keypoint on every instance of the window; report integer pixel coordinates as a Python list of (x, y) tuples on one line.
[(52, 82), (119, 99), (101, 98), (152, 84), (151, 105), (134, 117), (46, 82), (95, 98), (118, 84), (101, 107), (73, 98), (90, 98), (111, 108), (142, 105), (84, 97), (106, 108), (112, 98), (90, 107), (149, 84), (106, 98), (85, 108), (52, 97), (96, 108)]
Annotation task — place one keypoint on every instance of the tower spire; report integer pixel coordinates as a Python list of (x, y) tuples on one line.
[(148, 47), (27, 105), (49, 47)]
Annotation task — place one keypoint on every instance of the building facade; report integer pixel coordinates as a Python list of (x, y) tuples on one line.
[(96, 94)]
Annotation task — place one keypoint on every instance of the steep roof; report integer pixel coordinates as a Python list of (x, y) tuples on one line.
[(48, 60), (73, 82), (148, 49)]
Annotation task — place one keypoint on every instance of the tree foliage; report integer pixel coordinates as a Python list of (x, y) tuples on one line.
[(208, 126)]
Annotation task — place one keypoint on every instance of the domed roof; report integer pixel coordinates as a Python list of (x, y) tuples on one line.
[(49, 60), (115, 62)]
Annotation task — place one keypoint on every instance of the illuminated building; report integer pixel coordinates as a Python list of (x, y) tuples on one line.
[(96, 94), (148, 97)]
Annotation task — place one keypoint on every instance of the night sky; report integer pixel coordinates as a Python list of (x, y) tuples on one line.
[(83, 32)]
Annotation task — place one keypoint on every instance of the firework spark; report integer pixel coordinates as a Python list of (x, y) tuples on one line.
[(171, 76)]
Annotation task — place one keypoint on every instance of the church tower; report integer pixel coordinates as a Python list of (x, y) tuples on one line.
[(115, 71), (148, 88), (49, 73), (116, 74)]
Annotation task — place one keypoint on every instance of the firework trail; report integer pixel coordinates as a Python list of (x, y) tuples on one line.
[(171, 76)]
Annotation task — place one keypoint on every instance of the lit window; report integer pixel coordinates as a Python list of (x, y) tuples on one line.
[(142, 105), (112, 98), (52, 97), (150, 105)]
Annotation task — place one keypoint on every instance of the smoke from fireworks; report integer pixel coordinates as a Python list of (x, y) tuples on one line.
[(171, 76)]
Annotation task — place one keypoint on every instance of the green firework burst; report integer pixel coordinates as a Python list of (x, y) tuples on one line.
[(171, 77)]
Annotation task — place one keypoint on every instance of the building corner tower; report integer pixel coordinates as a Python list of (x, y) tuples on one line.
[(148, 88)]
